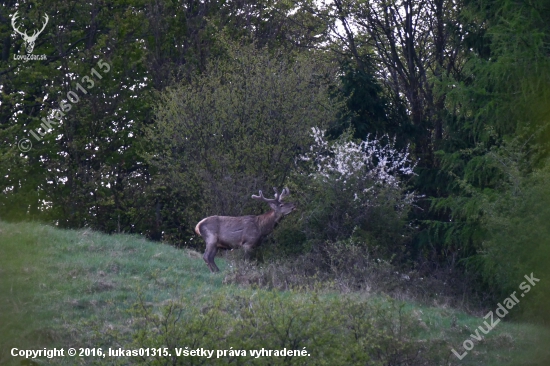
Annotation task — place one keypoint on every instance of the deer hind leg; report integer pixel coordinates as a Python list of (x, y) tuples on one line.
[(208, 257), (210, 253)]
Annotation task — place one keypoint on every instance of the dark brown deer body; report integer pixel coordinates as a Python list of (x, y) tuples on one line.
[(244, 232)]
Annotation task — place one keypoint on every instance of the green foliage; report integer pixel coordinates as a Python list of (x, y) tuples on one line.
[(516, 221), (500, 226), (368, 109), (330, 330), (497, 139), (84, 169), (87, 170), (234, 130)]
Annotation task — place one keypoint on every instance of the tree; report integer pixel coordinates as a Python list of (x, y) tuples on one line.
[(494, 163), (86, 171), (415, 46), (234, 130)]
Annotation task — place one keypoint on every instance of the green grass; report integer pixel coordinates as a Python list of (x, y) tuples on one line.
[(66, 288), (54, 282)]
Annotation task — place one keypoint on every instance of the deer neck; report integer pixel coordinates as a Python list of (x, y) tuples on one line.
[(267, 221)]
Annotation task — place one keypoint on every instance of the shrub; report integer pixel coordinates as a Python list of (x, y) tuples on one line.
[(333, 331), (351, 189)]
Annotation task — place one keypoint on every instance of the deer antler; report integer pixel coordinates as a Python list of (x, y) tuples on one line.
[(36, 33), (284, 193), (278, 197), (262, 198), (13, 18)]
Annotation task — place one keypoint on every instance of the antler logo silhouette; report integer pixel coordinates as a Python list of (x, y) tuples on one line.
[(29, 40)]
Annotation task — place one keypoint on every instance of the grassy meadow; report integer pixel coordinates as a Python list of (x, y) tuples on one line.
[(83, 289)]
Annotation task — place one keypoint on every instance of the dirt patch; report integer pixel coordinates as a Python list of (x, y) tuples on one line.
[(102, 285)]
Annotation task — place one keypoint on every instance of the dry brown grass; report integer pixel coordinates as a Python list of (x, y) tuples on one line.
[(349, 268)]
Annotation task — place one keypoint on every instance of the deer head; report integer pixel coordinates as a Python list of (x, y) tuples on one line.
[(29, 40), (281, 209)]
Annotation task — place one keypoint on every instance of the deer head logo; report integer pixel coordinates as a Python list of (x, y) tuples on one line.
[(29, 40)]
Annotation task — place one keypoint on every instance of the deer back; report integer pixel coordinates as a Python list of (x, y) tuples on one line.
[(230, 231)]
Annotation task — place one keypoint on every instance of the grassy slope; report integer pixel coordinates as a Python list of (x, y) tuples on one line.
[(63, 288)]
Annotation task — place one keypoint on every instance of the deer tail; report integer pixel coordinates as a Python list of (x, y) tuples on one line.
[(198, 227)]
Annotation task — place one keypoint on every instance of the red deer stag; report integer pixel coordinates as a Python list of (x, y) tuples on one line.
[(228, 232)]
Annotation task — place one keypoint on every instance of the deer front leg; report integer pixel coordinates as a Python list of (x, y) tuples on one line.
[(248, 249)]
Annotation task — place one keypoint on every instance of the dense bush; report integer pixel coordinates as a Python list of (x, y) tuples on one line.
[(333, 331), (350, 189)]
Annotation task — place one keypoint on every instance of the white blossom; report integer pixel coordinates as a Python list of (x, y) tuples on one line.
[(380, 163)]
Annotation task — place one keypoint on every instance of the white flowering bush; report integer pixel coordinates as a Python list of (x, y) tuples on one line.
[(370, 163), (348, 189)]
